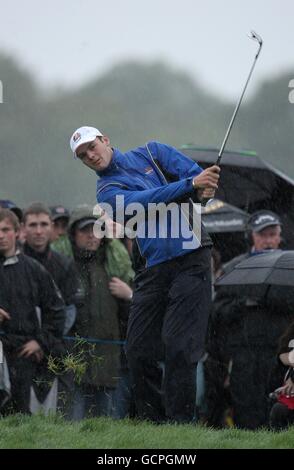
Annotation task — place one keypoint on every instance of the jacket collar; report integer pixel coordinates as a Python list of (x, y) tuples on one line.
[(39, 256), (115, 163), (10, 260)]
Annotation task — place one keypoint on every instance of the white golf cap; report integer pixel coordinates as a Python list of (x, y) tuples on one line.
[(83, 135)]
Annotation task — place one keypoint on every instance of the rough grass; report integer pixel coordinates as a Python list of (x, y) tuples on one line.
[(38, 432)]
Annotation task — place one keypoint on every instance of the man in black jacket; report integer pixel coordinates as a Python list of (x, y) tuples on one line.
[(31, 314), (243, 332), (38, 227)]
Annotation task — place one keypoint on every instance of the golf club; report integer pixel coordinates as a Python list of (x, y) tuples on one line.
[(253, 35), (257, 38)]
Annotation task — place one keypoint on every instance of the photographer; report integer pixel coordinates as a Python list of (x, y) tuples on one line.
[(282, 412)]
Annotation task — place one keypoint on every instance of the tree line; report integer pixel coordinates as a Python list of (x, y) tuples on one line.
[(132, 103)]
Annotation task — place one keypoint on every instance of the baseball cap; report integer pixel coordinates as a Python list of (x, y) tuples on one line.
[(84, 222), (83, 135), (58, 212), (262, 219), (7, 204)]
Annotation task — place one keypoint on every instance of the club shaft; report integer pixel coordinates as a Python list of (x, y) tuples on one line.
[(237, 108)]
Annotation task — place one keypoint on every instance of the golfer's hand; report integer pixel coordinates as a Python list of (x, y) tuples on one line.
[(120, 289), (208, 179), (4, 315), (288, 389), (207, 193), (30, 348)]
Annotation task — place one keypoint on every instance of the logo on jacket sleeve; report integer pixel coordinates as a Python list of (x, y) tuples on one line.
[(148, 170)]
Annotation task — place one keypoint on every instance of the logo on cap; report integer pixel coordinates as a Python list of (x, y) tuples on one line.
[(264, 218), (60, 210), (76, 137)]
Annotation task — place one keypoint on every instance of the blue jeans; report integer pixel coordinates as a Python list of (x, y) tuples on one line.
[(200, 388), (122, 397), (91, 401)]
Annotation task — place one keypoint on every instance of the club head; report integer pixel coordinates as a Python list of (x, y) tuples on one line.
[(256, 37)]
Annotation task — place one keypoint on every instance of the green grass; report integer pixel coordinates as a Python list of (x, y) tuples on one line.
[(38, 432)]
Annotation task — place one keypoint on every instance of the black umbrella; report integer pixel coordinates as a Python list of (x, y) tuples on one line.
[(251, 184), (269, 274), (273, 267), (220, 217), (226, 225)]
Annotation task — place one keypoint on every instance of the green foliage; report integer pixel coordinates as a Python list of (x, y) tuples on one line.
[(132, 103), (38, 432)]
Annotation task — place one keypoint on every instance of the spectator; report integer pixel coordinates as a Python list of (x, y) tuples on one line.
[(105, 274), (282, 412), (244, 333), (38, 229), (59, 238), (31, 315), (7, 204)]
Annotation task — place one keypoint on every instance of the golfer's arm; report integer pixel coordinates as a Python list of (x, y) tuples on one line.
[(173, 161), (167, 193)]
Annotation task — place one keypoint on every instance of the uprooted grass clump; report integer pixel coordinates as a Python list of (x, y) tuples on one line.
[(75, 361)]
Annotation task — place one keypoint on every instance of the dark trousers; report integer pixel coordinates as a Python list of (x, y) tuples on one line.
[(249, 385), (21, 374), (167, 325)]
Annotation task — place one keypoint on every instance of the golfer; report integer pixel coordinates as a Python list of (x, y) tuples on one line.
[(172, 294)]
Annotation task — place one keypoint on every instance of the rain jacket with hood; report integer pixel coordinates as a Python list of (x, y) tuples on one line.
[(100, 315)]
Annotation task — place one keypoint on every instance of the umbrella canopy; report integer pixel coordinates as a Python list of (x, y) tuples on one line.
[(268, 276), (220, 217), (251, 184), (226, 225), (274, 267)]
